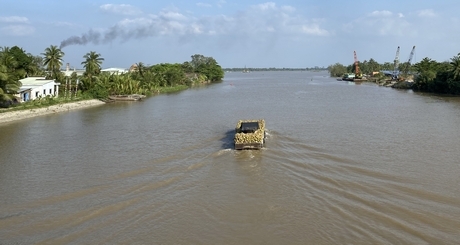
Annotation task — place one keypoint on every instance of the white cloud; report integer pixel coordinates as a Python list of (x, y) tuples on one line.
[(174, 16), (14, 19), (265, 6), (262, 22), (123, 9), (426, 13), (381, 13), (381, 23), (207, 5), (315, 30), (18, 30)]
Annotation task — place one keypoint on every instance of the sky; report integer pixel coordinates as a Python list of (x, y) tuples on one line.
[(240, 33)]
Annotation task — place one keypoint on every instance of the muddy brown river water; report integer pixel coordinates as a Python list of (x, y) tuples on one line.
[(343, 164)]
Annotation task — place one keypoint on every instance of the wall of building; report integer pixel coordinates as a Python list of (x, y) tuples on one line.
[(44, 90)]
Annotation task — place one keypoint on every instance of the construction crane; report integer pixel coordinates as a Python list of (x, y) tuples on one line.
[(358, 74), (404, 74), (396, 64), (411, 55)]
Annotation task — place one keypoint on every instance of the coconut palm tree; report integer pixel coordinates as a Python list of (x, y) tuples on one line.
[(74, 79), (7, 59), (35, 68), (8, 85), (140, 67), (92, 63), (53, 60), (455, 63)]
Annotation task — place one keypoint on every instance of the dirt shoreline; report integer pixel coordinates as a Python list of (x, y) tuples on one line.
[(11, 116)]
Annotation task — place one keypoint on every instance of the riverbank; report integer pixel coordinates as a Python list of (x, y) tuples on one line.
[(17, 115)]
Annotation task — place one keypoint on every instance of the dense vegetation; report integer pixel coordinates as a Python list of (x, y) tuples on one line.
[(429, 75), (16, 64)]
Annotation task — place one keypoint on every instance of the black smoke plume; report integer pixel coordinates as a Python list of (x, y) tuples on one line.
[(114, 32), (89, 37)]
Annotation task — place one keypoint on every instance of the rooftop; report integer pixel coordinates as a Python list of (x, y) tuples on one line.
[(34, 81)]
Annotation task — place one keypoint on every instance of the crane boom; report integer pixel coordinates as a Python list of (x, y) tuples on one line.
[(357, 70), (411, 54), (396, 63)]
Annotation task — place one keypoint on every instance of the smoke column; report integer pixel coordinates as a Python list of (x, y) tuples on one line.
[(140, 30), (89, 37)]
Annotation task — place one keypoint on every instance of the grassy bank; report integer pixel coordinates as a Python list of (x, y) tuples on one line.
[(165, 90), (43, 103), (52, 101)]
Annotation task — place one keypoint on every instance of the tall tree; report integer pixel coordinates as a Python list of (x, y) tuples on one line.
[(7, 59), (36, 67), (455, 63), (373, 65), (23, 61), (337, 70), (92, 63), (140, 68), (8, 85), (53, 60)]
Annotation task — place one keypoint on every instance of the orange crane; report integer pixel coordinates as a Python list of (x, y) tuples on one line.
[(358, 74)]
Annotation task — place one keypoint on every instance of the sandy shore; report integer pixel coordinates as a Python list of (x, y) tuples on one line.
[(23, 114)]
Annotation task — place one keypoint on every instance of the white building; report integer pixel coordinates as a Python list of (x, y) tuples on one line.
[(68, 71), (37, 87), (116, 71)]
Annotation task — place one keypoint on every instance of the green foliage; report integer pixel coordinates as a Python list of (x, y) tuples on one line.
[(430, 75), (15, 63), (53, 60), (207, 66), (455, 69), (10, 73), (438, 77), (98, 91), (92, 63), (337, 70)]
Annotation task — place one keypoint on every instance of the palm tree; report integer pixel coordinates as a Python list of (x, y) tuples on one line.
[(92, 63), (53, 60), (74, 79), (7, 59), (140, 67), (455, 63), (35, 68), (8, 85)]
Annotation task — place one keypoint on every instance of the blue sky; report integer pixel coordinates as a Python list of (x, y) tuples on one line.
[(296, 33)]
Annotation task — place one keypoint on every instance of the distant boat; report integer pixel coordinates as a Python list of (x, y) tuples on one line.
[(245, 70)]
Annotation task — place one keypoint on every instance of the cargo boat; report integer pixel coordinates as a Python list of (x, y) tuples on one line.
[(250, 134)]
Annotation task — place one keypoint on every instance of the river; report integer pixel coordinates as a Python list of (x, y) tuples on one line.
[(343, 164)]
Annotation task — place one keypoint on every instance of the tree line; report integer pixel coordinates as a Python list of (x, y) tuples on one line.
[(16, 64), (429, 75)]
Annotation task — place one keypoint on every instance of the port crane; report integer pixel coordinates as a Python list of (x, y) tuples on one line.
[(407, 65), (396, 64), (411, 55), (358, 74)]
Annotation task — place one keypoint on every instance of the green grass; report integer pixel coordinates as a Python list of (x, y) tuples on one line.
[(173, 89)]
